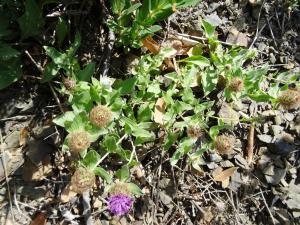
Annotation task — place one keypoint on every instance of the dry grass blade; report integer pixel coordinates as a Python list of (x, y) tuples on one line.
[(250, 144)]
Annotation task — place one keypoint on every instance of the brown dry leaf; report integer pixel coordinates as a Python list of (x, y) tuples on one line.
[(159, 111), (67, 194), (225, 183), (151, 45), (23, 136), (222, 176), (31, 172), (40, 219)]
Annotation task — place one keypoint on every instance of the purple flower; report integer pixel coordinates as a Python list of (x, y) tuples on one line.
[(119, 204)]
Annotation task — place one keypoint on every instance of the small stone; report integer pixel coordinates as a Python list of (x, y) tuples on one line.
[(278, 120), (272, 58), (265, 138), (289, 116), (226, 163), (276, 129)]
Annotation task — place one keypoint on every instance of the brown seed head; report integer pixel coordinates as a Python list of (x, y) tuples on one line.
[(69, 83), (224, 144), (82, 180), (195, 132), (100, 116), (120, 188), (236, 84), (290, 99), (79, 141)]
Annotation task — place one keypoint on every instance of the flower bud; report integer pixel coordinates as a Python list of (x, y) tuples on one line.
[(82, 180), (236, 84), (290, 99), (224, 144), (79, 141), (100, 116)]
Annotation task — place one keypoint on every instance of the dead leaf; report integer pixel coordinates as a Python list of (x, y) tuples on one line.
[(32, 172), (159, 111), (236, 37), (222, 176), (40, 219), (151, 45), (23, 136), (67, 194)]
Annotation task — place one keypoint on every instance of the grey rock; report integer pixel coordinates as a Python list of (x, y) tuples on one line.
[(265, 138), (276, 129)]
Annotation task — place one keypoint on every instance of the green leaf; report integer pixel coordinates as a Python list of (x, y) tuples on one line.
[(67, 116), (117, 6), (185, 3), (86, 73), (123, 173), (99, 171), (214, 130), (7, 52), (131, 9), (61, 30), (91, 159), (134, 189), (209, 80), (209, 29), (32, 20), (73, 48), (127, 86), (78, 123), (170, 140), (110, 143), (184, 147), (198, 60), (144, 113), (50, 71), (10, 71)]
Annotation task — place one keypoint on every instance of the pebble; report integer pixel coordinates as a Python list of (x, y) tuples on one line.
[(278, 120), (276, 129), (289, 116), (265, 138)]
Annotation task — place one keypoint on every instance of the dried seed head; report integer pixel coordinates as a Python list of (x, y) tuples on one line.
[(100, 116), (69, 83), (290, 99), (195, 132), (82, 180), (224, 144), (222, 82), (120, 188), (236, 84), (79, 141)]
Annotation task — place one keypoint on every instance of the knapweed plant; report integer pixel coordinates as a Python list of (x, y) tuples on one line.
[(135, 20), (176, 111)]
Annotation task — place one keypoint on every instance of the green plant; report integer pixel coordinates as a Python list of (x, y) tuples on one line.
[(20, 21), (121, 115), (133, 22)]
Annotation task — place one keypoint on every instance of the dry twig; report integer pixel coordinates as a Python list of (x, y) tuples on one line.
[(250, 144)]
